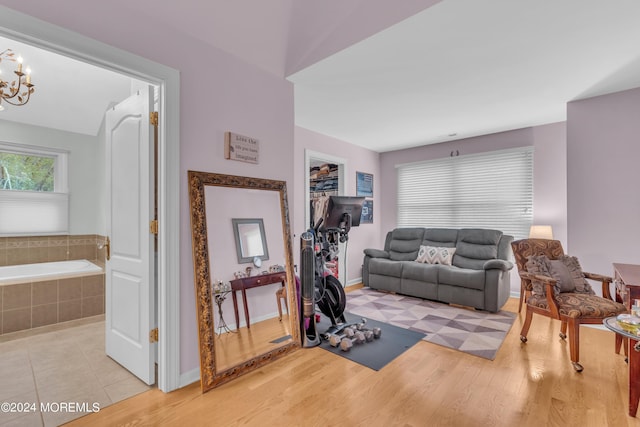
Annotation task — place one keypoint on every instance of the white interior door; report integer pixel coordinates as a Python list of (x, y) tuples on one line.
[(130, 290)]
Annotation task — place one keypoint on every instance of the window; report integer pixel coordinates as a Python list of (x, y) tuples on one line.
[(34, 198), (489, 190)]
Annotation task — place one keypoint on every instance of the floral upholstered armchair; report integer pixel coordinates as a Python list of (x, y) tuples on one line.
[(555, 286)]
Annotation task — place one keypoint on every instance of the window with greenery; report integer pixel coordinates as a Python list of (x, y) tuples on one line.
[(26, 172), (34, 198), (490, 190)]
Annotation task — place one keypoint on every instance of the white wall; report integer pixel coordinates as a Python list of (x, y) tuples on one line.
[(84, 164), (603, 149)]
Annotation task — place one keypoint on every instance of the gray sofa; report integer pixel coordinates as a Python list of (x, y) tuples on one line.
[(477, 277)]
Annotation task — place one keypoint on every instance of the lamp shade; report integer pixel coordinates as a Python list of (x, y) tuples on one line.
[(541, 232)]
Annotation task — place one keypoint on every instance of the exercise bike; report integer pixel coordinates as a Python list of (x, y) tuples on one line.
[(320, 287)]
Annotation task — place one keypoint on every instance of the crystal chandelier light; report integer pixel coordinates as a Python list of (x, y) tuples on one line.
[(17, 91)]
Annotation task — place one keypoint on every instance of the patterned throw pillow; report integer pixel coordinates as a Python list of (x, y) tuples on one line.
[(435, 255), (566, 270), (581, 284), (537, 264)]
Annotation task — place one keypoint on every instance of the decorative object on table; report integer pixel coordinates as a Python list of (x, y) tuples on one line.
[(220, 291), (475, 332), (558, 289), (276, 268), (629, 322), (239, 275), (248, 271), (364, 184)]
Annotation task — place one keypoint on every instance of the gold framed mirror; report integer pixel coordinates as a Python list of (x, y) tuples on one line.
[(232, 345)]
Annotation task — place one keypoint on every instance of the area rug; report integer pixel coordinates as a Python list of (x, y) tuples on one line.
[(375, 354), (476, 332)]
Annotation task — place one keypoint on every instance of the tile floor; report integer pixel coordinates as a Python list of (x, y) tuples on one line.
[(53, 368)]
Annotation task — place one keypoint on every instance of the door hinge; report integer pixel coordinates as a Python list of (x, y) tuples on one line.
[(153, 226), (153, 335), (153, 118)]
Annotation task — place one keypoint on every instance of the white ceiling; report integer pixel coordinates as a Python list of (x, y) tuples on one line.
[(69, 95), (460, 67), (468, 67)]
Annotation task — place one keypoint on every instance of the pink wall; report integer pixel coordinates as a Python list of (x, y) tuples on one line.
[(218, 93), (603, 146), (550, 197), (358, 159), (223, 204)]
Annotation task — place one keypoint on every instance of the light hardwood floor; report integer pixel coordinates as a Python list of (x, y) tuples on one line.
[(529, 384)]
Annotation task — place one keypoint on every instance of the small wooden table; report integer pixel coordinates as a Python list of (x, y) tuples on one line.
[(627, 280), (245, 283)]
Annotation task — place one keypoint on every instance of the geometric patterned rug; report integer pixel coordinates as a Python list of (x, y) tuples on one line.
[(476, 332)]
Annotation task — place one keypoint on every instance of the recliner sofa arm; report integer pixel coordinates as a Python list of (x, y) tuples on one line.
[(498, 264), (376, 253)]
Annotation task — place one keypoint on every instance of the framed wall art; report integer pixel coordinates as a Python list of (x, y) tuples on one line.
[(367, 212), (364, 184)]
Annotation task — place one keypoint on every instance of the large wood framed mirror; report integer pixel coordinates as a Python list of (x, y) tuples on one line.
[(232, 344)]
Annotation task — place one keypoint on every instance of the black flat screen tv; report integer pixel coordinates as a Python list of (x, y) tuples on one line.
[(339, 206)]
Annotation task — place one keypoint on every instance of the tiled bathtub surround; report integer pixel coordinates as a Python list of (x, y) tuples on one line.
[(40, 303), (29, 250), (31, 305)]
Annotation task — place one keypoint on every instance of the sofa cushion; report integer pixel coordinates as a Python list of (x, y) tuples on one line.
[(475, 247), (422, 272), (405, 243), (462, 277), (435, 255), (385, 267), (440, 237)]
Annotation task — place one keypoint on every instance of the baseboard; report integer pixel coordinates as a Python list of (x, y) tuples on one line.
[(352, 282), (189, 377)]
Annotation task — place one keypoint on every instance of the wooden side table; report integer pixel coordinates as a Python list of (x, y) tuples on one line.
[(634, 362), (245, 283), (627, 281)]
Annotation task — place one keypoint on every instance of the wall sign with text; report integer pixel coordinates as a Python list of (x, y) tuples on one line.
[(241, 148)]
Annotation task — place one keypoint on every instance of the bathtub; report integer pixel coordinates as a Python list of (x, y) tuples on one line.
[(23, 273), (47, 293)]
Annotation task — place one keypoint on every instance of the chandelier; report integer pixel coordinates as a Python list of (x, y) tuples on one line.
[(17, 91)]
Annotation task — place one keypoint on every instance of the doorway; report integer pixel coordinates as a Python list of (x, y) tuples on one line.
[(25, 29), (325, 176)]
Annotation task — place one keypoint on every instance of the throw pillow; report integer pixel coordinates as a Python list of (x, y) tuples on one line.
[(435, 255), (573, 282), (537, 264), (580, 283), (559, 271), (422, 254)]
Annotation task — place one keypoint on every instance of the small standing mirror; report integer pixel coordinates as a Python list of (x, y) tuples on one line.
[(240, 324), (251, 241)]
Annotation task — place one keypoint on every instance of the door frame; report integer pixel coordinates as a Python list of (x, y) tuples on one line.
[(342, 191), (29, 30)]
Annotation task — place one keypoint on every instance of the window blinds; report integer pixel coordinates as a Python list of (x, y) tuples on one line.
[(490, 190), (33, 213)]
